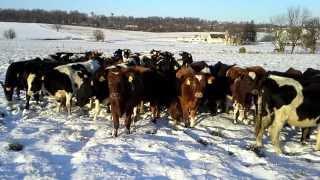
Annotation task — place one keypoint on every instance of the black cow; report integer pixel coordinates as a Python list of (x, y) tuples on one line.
[(310, 72), (17, 75), (217, 93)]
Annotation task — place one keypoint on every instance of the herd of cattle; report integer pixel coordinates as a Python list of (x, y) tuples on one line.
[(127, 80)]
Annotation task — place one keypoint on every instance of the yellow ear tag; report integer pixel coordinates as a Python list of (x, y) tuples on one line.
[(209, 81), (188, 82), (130, 79), (101, 79)]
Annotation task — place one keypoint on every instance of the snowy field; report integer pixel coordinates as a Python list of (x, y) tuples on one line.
[(79, 148)]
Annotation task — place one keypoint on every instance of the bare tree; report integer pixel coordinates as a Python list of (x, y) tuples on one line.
[(279, 33), (311, 35), (98, 35), (9, 34), (57, 27), (296, 18)]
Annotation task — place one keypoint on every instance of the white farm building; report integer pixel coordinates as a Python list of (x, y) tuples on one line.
[(213, 37)]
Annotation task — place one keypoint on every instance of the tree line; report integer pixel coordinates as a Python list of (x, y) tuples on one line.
[(151, 24)]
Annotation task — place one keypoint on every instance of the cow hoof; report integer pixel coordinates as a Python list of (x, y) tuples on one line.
[(127, 131), (278, 151), (25, 112), (154, 121), (193, 124), (114, 133)]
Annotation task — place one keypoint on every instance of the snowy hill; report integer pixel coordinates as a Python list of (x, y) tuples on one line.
[(79, 148)]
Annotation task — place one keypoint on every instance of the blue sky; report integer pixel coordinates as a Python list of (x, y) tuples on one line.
[(222, 10)]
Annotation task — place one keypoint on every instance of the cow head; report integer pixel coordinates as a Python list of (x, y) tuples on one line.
[(186, 58), (195, 84), (154, 52), (167, 63), (85, 92), (8, 91), (126, 53), (133, 82)]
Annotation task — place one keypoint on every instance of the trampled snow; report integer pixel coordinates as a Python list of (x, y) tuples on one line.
[(79, 148)]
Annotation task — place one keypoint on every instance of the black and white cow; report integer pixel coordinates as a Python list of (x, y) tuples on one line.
[(63, 81), (95, 87), (286, 100)]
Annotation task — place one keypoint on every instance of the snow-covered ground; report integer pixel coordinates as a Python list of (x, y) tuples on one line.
[(79, 148)]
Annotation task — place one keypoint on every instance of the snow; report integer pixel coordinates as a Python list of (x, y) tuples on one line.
[(79, 148)]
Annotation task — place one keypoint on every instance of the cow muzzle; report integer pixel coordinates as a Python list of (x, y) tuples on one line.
[(115, 95), (198, 95)]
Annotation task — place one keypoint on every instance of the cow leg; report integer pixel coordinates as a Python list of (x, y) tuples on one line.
[(318, 140), (18, 92), (185, 115), (275, 132), (91, 103), (235, 112), (242, 113), (260, 130), (261, 125), (68, 102), (192, 118), (96, 109), (135, 115), (115, 118), (37, 97), (305, 135), (155, 112), (128, 120), (141, 108), (27, 102)]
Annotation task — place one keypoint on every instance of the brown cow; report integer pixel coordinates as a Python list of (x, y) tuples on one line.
[(235, 72), (125, 88), (191, 87), (129, 86), (243, 90), (294, 72)]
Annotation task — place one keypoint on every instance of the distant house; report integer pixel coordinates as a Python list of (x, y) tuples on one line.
[(213, 37)]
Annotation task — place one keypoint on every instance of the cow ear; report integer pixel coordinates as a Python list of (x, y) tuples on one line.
[(252, 75), (130, 79)]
